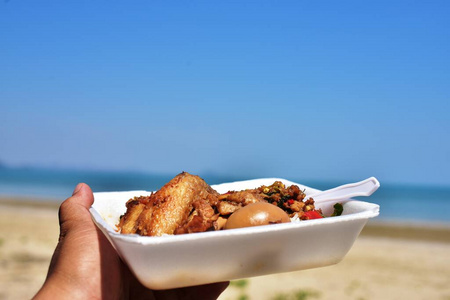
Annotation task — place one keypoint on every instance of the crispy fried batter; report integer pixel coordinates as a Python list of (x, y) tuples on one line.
[(129, 221), (171, 206), (201, 219), (244, 197), (226, 208), (232, 201)]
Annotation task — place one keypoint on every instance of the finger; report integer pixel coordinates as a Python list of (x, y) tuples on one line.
[(80, 202), (82, 195), (73, 217), (75, 210)]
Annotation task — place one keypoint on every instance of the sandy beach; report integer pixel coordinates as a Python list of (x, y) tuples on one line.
[(387, 261)]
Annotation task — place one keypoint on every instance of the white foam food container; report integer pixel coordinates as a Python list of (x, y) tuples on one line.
[(199, 258)]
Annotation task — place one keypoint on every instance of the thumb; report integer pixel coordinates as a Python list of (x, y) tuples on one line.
[(75, 210), (82, 195), (74, 219)]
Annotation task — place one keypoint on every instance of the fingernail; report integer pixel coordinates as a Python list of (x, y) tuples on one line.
[(77, 188)]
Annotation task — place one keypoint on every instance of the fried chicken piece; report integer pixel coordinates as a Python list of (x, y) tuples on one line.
[(232, 201), (220, 223), (201, 219), (175, 201), (226, 208), (244, 197), (129, 221), (144, 219), (182, 199)]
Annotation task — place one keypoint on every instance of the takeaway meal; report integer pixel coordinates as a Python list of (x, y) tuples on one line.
[(187, 204)]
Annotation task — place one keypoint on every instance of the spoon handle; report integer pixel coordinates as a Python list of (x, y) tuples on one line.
[(344, 192)]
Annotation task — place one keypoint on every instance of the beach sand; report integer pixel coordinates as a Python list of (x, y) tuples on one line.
[(387, 261)]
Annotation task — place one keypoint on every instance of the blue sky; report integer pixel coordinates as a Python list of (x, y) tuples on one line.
[(334, 90)]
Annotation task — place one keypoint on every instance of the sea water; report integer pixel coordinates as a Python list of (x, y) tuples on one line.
[(410, 203)]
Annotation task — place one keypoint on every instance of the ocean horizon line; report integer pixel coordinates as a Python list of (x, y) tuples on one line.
[(212, 175), (397, 201)]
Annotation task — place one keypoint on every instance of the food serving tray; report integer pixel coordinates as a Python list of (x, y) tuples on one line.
[(174, 261)]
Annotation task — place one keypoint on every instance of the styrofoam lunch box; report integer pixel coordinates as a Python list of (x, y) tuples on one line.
[(174, 261)]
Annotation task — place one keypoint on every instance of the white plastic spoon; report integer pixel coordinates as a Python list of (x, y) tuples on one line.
[(345, 192)]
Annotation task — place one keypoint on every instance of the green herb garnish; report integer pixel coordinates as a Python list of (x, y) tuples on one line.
[(338, 209)]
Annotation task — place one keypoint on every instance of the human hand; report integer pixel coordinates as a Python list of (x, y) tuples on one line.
[(86, 266)]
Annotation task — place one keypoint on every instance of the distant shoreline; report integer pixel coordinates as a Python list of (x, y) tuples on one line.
[(420, 231)]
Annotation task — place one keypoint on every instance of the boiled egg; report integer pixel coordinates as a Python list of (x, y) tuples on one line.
[(256, 214)]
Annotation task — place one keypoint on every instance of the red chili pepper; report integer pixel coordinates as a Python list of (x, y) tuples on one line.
[(290, 201), (312, 214)]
